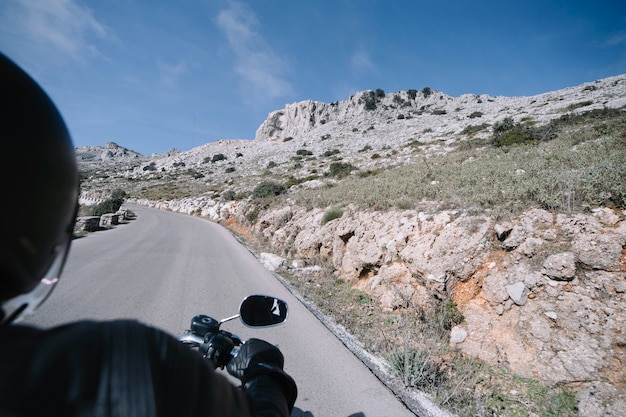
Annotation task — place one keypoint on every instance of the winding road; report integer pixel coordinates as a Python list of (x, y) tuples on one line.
[(163, 268)]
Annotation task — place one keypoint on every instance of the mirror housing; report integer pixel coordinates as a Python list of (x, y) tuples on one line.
[(262, 311)]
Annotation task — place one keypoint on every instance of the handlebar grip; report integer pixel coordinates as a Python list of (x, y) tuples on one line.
[(218, 348)]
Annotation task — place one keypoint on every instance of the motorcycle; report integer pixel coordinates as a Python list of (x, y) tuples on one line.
[(220, 346)]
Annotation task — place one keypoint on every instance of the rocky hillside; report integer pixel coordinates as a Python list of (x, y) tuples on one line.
[(542, 291)]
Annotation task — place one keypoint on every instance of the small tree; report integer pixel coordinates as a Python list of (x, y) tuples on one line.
[(369, 100)]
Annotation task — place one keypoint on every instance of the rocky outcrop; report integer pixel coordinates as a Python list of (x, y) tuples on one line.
[(543, 295), (110, 152)]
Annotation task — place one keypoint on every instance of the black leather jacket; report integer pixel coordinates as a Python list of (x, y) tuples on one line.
[(121, 368)]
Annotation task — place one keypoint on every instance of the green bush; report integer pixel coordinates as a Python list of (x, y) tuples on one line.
[(471, 129), (369, 100), (218, 157), (267, 189), (229, 195), (304, 152), (507, 133), (412, 94), (111, 205), (475, 114), (331, 152), (416, 368), (331, 214), (341, 169)]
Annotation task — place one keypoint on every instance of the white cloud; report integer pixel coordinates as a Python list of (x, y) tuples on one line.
[(59, 26), (169, 75), (256, 62), (617, 39), (361, 61)]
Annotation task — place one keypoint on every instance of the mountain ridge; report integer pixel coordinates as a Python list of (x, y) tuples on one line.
[(430, 117)]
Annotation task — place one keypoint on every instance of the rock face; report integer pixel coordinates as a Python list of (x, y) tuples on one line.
[(110, 152)]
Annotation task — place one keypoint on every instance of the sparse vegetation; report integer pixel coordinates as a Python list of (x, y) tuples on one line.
[(369, 100), (331, 152), (331, 214), (267, 189), (110, 205), (552, 176), (415, 342), (218, 157), (340, 169)]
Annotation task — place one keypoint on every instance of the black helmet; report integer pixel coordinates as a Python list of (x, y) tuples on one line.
[(39, 186)]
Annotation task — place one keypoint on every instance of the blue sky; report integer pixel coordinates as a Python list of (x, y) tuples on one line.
[(161, 74)]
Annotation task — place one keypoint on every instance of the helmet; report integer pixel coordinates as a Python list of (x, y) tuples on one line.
[(39, 183)]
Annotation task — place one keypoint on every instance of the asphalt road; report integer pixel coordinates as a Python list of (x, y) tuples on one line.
[(163, 268)]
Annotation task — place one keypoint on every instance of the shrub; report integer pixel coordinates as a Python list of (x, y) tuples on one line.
[(304, 152), (268, 188), (331, 152), (229, 170), (380, 93), (151, 167), (331, 214), (416, 368), (369, 100), (426, 91), (118, 194), (475, 114), (111, 205), (218, 157), (507, 133), (340, 169), (412, 94), (471, 129), (229, 195)]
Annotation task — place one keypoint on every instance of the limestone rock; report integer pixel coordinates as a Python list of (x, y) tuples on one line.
[(560, 266)]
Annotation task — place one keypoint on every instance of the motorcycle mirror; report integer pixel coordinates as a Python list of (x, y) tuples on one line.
[(262, 311)]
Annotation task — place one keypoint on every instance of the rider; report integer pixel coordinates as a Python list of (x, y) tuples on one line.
[(92, 368)]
